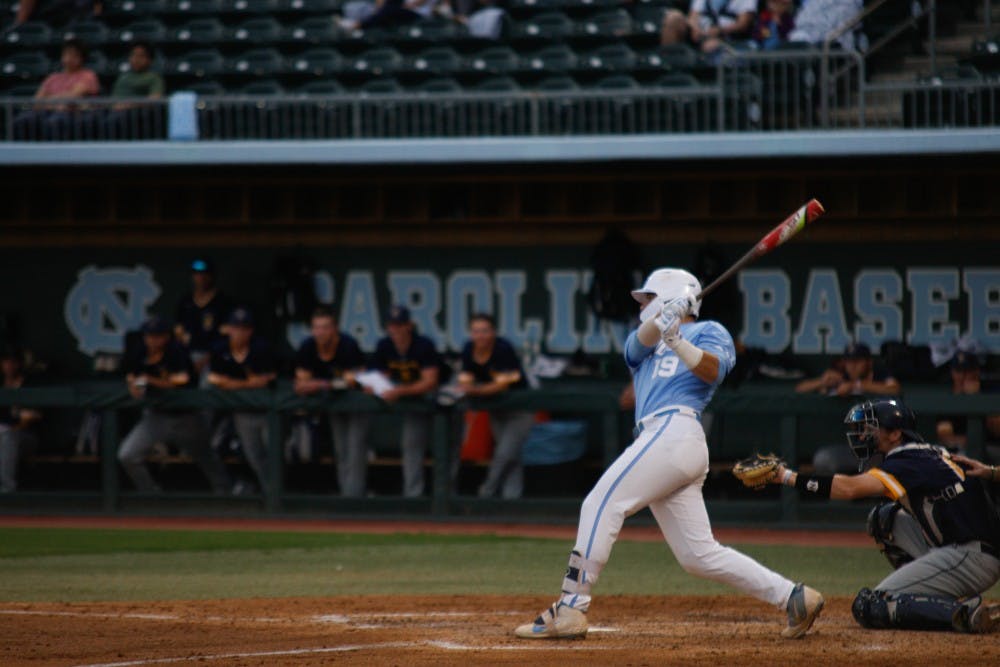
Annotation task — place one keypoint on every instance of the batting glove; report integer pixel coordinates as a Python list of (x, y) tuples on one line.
[(669, 321)]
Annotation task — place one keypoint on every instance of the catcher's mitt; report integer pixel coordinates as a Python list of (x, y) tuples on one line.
[(757, 470)]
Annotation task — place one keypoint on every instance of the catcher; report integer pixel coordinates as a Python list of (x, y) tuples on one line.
[(938, 528)]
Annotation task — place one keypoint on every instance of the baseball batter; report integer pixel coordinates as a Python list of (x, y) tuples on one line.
[(938, 527), (677, 363)]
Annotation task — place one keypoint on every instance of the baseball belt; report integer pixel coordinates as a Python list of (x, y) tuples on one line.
[(682, 410)]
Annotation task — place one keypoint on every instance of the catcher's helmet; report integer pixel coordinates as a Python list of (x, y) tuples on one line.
[(864, 419), (667, 285)]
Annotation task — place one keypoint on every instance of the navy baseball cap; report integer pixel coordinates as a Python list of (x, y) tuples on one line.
[(398, 315), (203, 265), (240, 317), (155, 324), (857, 351)]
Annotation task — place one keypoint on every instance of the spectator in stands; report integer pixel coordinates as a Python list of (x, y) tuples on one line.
[(74, 81), (709, 23), (386, 13), (966, 378), (17, 425), (815, 20), (58, 11), (126, 119), (482, 18), (853, 374), (158, 364), (490, 367), (412, 364), (330, 360), (773, 24), (244, 361), (201, 314)]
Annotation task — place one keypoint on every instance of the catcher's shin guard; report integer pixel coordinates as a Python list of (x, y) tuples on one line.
[(880, 521), (906, 611)]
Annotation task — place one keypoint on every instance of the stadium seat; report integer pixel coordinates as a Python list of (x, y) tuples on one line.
[(135, 8), (32, 33), (205, 88), (259, 62), (618, 57), (21, 90), (259, 30), (497, 84), (198, 7), (27, 65), (548, 25), (146, 30), (557, 84), (200, 63), (318, 62), (616, 82), (649, 19), (497, 59), (200, 31), (431, 30), (99, 63), (437, 60), (321, 87), (381, 86), (314, 6), (555, 58), (254, 6), (439, 85), (678, 56), (91, 33), (314, 30), (614, 23), (263, 87), (676, 80), (377, 61)]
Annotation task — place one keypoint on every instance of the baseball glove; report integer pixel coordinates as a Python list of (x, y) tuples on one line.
[(757, 470)]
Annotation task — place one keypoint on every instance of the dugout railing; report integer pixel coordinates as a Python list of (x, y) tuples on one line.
[(764, 418)]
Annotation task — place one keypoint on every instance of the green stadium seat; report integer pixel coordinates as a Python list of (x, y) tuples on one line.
[(200, 31), (557, 84), (437, 60), (381, 86), (258, 31), (679, 56), (555, 58), (258, 62), (548, 25), (99, 63), (263, 87), (212, 7), (135, 8), (199, 63), (598, 3), (431, 30), (378, 61), (440, 85), (618, 57), (496, 59), (614, 23), (146, 30), (254, 6), (27, 65), (91, 33), (497, 84), (616, 82), (205, 88), (29, 34), (318, 62), (314, 30), (321, 87), (648, 19), (676, 80), (314, 6), (21, 90)]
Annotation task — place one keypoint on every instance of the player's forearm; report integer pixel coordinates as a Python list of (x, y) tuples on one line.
[(648, 333), (707, 369)]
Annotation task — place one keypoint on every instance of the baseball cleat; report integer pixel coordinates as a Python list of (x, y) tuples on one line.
[(804, 605), (557, 622), (984, 619)]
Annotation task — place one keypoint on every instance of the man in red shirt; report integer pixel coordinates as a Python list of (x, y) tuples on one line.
[(74, 81)]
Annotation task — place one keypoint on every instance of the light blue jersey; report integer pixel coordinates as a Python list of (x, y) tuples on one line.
[(661, 379)]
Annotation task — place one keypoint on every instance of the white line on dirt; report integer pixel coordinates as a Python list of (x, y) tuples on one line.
[(89, 614)]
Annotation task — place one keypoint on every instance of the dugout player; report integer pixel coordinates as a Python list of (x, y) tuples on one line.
[(676, 363), (490, 367), (413, 365), (201, 313), (155, 365), (330, 359), (244, 361), (938, 529)]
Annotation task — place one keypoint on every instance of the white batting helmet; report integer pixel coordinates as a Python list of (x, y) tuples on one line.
[(670, 284)]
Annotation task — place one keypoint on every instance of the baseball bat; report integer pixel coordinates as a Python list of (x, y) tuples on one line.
[(774, 238)]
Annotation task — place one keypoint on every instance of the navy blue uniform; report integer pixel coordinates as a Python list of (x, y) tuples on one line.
[(175, 360), (347, 356), (405, 368), (202, 322), (259, 360), (502, 360)]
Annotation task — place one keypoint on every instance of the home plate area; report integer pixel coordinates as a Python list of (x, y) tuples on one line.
[(451, 630)]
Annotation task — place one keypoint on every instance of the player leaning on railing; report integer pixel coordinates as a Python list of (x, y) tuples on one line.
[(677, 363), (939, 528)]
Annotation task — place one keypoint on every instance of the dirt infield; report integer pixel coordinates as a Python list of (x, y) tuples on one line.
[(454, 630)]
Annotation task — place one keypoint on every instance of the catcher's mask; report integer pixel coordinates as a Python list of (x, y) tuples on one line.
[(865, 419)]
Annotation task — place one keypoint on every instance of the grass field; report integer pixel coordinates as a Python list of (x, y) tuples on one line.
[(72, 565)]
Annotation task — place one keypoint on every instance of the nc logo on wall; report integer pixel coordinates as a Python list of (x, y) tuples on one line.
[(104, 304)]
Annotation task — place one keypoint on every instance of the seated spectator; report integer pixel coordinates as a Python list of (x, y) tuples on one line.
[(245, 362), (815, 20), (74, 81), (482, 18), (412, 364), (854, 374), (386, 13), (328, 360), (709, 23), (966, 378), (490, 367), (126, 119), (200, 315), (773, 24), (17, 425), (160, 364)]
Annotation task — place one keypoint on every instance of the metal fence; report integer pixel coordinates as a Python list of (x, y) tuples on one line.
[(770, 91)]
